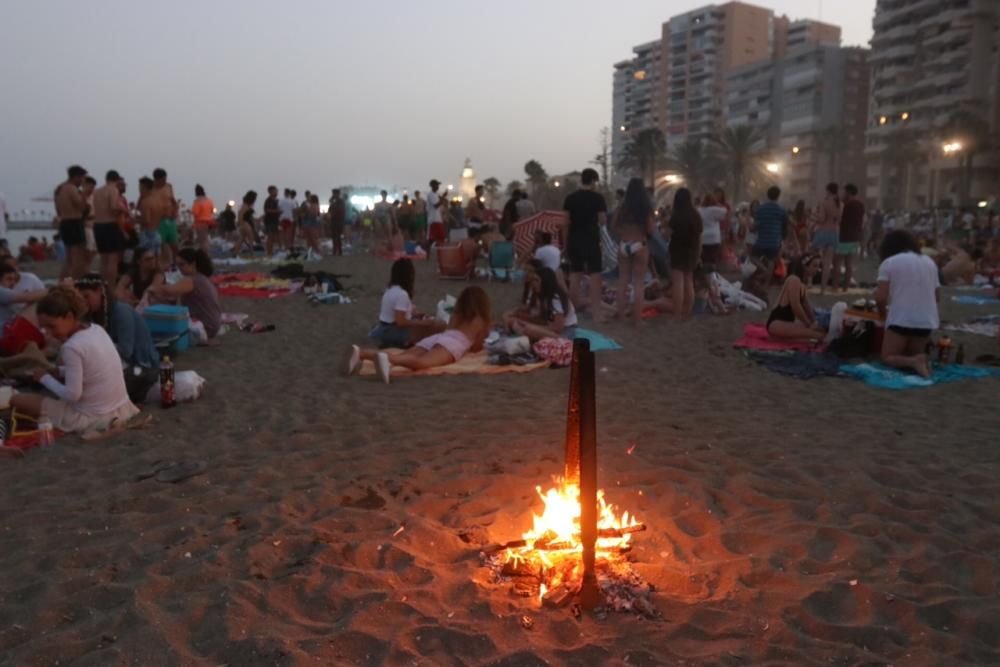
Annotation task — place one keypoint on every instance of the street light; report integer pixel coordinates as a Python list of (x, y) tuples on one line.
[(795, 150), (671, 179), (773, 167), (983, 204), (883, 120), (952, 147), (623, 128), (905, 115), (556, 184)]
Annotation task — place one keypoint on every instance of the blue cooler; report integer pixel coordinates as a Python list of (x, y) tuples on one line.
[(169, 324)]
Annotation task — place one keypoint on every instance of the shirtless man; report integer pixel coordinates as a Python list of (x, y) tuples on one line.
[(419, 218), (167, 209), (149, 216), (71, 206), (108, 210)]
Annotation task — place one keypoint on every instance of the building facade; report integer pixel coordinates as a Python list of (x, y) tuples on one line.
[(930, 60), (811, 105), (634, 105)]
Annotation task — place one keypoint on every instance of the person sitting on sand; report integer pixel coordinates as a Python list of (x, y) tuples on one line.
[(793, 319), (92, 392), (14, 300), (908, 288), (398, 324), (144, 273), (707, 295), (195, 290), (467, 329), (128, 332), (552, 315)]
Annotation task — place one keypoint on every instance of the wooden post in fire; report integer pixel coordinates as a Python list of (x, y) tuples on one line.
[(571, 472), (589, 595)]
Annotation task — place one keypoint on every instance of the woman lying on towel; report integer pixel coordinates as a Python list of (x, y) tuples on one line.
[(550, 313), (92, 391), (398, 325), (470, 324), (793, 319)]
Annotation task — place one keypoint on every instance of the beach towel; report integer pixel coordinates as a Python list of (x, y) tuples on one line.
[(598, 341), (474, 363), (755, 337), (976, 300), (982, 326), (253, 285), (879, 375), (801, 365)]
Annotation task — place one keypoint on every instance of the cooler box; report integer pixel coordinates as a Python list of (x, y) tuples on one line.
[(169, 322)]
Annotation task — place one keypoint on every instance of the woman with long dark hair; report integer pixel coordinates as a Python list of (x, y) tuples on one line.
[(551, 314), (633, 224), (196, 290), (685, 252), (398, 323), (907, 292)]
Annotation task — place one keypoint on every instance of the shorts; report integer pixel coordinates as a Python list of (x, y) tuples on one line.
[(311, 223), (438, 232), (825, 239), (168, 231), (68, 419), (909, 332), (630, 248), (149, 239), (848, 248), (390, 335), (287, 224), (109, 237), (711, 254), (452, 340), (584, 255), (71, 232), (420, 223), (270, 226)]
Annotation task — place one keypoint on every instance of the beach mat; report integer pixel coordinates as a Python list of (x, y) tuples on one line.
[(755, 337), (800, 365), (253, 285), (976, 300), (598, 341), (474, 363), (884, 377)]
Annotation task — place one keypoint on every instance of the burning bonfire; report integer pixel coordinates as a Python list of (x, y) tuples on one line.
[(569, 552)]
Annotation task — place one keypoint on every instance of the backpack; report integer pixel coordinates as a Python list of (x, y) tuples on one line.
[(855, 342)]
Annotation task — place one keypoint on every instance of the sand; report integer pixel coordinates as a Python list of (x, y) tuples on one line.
[(794, 523)]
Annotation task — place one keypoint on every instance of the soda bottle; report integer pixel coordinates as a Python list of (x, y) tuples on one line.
[(46, 437), (960, 355), (944, 348), (167, 383)]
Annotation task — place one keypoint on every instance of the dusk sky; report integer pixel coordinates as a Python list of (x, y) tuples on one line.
[(311, 94)]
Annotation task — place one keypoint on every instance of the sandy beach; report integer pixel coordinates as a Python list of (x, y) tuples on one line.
[(339, 521)]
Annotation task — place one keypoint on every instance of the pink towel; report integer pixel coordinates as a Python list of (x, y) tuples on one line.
[(755, 337)]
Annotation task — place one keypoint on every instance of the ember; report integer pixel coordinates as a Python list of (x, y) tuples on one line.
[(569, 552)]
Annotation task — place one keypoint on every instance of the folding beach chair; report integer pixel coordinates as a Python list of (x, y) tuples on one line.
[(452, 263), (501, 257)]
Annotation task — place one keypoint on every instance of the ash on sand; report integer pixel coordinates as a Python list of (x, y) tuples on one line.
[(622, 589)]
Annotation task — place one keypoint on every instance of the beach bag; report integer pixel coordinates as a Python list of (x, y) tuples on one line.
[(558, 351), (444, 308), (855, 342), (138, 381)]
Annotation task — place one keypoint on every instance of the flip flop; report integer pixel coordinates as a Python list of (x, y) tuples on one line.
[(179, 471), (350, 363)]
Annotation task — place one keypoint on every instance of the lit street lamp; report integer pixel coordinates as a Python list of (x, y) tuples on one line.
[(773, 167), (952, 147)]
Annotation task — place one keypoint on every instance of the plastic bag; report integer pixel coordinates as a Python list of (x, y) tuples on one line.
[(188, 386), (444, 308), (559, 351)]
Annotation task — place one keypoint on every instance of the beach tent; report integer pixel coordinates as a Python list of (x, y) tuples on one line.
[(546, 221)]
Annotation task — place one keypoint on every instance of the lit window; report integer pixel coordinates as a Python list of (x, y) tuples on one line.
[(640, 75)]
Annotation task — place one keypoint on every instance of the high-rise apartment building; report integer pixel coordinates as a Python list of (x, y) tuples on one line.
[(634, 107), (811, 105), (931, 59)]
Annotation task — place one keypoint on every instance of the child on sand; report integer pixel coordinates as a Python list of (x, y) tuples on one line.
[(398, 325), (552, 314), (467, 330)]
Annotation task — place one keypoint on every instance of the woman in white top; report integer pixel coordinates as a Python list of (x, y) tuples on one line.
[(908, 286), (712, 216), (91, 394), (398, 325)]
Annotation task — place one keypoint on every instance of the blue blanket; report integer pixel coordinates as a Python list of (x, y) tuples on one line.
[(598, 341), (801, 365), (879, 375), (976, 300)]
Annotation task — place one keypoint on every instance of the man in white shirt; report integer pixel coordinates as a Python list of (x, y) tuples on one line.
[(286, 224), (435, 224), (546, 252)]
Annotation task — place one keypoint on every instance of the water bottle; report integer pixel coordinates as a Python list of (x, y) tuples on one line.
[(167, 383), (46, 437)]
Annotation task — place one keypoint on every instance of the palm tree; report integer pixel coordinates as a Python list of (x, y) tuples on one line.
[(972, 131), (646, 153), (741, 156), (537, 177), (695, 162), (512, 186)]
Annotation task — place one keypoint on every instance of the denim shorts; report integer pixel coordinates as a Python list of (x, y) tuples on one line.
[(150, 239), (390, 335), (826, 238)]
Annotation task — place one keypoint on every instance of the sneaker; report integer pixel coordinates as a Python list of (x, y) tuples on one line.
[(383, 366), (352, 360)]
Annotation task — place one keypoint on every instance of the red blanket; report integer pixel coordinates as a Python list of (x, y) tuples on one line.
[(755, 337), (251, 285)]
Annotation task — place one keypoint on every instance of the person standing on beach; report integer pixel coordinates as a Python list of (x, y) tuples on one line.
[(272, 218), (475, 212), (288, 207), (685, 252), (435, 223), (107, 230), (827, 232), (419, 218), (772, 228), (149, 216), (338, 216), (166, 204), (71, 206), (203, 211), (586, 214), (524, 207), (4, 218), (852, 226)]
